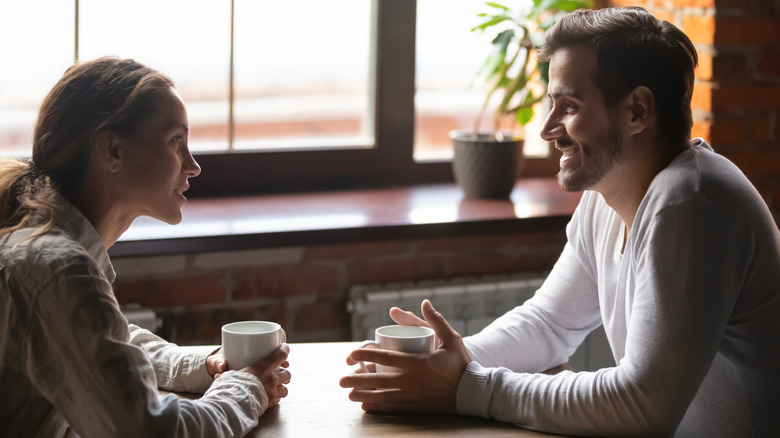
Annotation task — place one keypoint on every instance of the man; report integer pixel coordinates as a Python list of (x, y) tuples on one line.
[(671, 249)]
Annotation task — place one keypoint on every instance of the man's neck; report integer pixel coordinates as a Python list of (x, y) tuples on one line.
[(627, 183)]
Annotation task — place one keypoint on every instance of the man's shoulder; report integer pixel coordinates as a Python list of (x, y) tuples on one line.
[(700, 173)]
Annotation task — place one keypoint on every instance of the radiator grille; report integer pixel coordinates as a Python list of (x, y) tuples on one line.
[(469, 304)]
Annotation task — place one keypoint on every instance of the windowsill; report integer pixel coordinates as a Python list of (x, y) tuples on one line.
[(303, 219)]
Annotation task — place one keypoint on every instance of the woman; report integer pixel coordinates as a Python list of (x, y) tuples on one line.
[(110, 145)]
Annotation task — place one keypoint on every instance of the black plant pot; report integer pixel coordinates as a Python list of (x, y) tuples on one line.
[(486, 167)]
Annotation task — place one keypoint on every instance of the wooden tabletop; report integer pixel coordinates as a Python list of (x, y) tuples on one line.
[(318, 407)]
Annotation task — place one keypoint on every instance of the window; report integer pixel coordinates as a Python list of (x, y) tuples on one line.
[(281, 96)]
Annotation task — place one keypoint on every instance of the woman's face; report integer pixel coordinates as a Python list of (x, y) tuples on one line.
[(156, 163)]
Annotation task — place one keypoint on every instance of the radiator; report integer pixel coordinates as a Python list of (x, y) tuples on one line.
[(469, 304)]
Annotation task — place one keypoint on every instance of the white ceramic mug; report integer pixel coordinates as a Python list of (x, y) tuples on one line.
[(246, 342), (405, 338)]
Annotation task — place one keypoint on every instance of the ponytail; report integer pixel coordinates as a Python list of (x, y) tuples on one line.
[(27, 197)]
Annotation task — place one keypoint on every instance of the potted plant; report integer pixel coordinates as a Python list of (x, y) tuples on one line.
[(486, 163)]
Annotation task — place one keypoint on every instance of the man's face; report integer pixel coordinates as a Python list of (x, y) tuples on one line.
[(579, 122)]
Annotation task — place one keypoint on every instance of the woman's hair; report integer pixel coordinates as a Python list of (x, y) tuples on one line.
[(634, 49), (106, 94)]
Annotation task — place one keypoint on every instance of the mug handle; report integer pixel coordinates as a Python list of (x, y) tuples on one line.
[(366, 344)]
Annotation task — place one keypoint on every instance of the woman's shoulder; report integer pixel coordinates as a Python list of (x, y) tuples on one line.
[(39, 259)]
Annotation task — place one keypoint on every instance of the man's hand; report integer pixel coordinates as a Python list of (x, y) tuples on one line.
[(405, 317), (428, 382)]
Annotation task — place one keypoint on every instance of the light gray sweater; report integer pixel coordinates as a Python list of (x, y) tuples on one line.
[(691, 309)]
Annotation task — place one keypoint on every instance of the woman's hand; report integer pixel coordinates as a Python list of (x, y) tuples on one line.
[(428, 382), (271, 370), (215, 363), (273, 374)]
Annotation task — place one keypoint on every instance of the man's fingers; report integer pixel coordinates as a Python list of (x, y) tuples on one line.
[(385, 357), (443, 329), (404, 317), (370, 380), (384, 400)]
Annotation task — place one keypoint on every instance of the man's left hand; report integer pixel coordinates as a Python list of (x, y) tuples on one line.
[(428, 382)]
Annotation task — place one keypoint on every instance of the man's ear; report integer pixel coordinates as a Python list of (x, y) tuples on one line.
[(641, 106), (108, 150)]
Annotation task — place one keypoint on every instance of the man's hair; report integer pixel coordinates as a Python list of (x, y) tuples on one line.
[(634, 49)]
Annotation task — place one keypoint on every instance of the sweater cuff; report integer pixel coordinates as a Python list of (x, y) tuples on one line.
[(474, 391)]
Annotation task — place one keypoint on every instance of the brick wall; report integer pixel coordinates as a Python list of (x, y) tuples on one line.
[(306, 288), (736, 102)]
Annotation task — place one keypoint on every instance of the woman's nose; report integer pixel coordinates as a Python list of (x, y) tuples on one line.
[(191, 167)]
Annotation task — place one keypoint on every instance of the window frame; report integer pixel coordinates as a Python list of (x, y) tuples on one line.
[(389, 163)]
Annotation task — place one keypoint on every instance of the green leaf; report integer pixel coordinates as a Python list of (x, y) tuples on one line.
[(495, 19), (524, 115), (503, 39), (565, 5), (497, 6)]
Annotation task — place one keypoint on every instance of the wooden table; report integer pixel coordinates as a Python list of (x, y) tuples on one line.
[(318, 407)]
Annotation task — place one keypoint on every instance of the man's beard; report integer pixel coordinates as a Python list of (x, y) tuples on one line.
[(586, 176)]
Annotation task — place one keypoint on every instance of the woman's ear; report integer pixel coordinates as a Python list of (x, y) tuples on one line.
[(108, 150), (641, 104)]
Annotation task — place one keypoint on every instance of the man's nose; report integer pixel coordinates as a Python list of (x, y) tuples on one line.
[(552, 129)]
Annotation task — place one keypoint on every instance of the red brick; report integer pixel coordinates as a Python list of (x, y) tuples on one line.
[(535, 240), (734, 5), (769, 63), (625, 3), (357, 250), (730, 68), (134, 291), (694, 3), (704, 69), (384, 271), (699, 29), (760, 130), (284, 281), (757, 164), (449, 244), (168, 292), (775, 199), (746, 30), (492, 263), (768, 7), (746, 97), (702, 96), (727, 132), (321, 316)]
